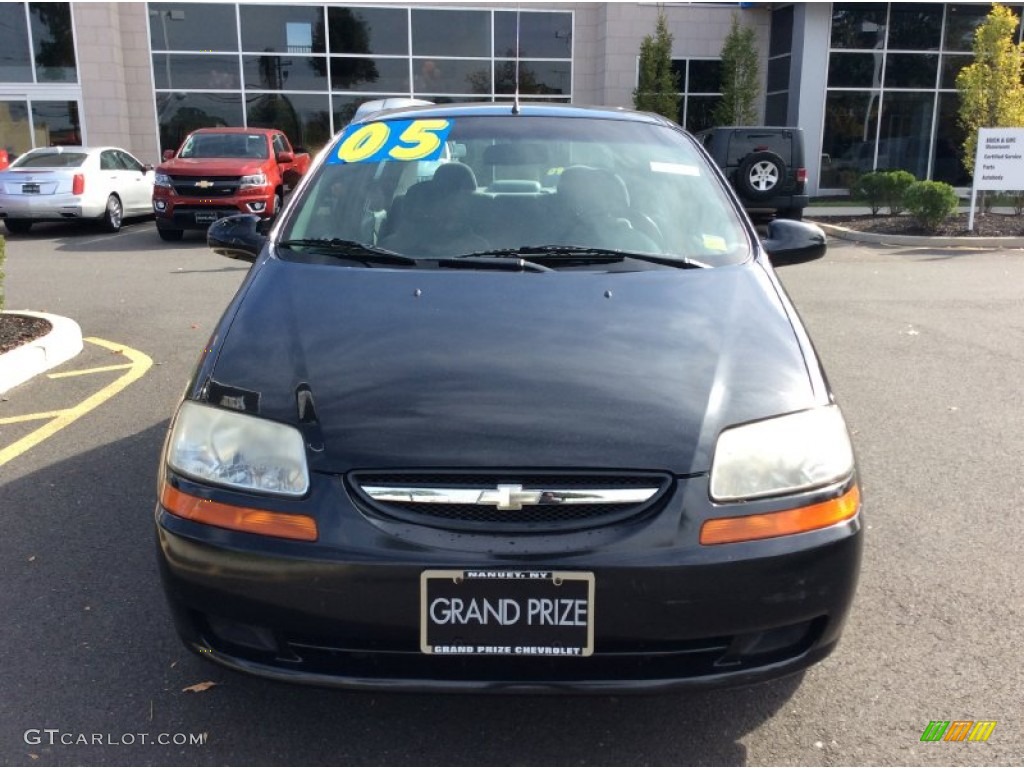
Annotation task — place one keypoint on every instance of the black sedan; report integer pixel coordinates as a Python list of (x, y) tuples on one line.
[(511, 399)]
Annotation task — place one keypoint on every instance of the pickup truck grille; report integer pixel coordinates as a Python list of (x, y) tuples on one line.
[(205, 186)]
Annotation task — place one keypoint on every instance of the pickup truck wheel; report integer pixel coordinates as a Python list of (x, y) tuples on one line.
[(17, 226), (113, 215), (170, 235)]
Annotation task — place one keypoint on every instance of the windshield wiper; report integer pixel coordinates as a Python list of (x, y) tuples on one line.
[(349, 249), (583, 254), (506, 263)]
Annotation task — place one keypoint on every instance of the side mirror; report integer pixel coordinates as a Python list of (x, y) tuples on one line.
[(237, 237), (285, 157), (168, 154), (793, 242), (147, 168)]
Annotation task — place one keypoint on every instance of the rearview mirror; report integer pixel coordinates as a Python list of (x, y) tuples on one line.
[(794, 242), (237, 237)]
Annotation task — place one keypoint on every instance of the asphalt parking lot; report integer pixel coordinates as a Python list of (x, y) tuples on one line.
[(925, 350)]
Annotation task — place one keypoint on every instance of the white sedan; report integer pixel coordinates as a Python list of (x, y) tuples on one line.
[(68, 183)]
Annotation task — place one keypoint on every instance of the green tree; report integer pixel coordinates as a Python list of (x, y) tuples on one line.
[(740, 77), (991, 92), (658, 88)]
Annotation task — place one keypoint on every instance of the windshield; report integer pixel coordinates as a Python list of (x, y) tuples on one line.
[(50, 160), (225, 145), (442, 188)]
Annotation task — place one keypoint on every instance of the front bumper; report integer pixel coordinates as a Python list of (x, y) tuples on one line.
[(179, 212), (345, 611)]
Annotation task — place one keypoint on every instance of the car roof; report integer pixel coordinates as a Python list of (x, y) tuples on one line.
[(531, 109)]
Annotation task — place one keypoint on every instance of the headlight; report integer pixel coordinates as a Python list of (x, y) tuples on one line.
[(790, 453), (245, 452), (161, 180), (255, 180)]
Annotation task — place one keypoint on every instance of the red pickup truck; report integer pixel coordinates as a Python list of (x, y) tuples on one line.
[(220, 172)]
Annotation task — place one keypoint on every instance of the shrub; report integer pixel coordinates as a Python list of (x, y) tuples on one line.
[(895, 185), (871, 188), (930, 202)]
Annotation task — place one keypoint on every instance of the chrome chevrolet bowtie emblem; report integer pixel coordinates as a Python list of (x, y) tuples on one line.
[(204, 184), (509, 497)]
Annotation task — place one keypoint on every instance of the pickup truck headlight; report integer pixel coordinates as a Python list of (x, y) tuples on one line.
[(161, 180), (237, 450), (791, 453), (254, 180)]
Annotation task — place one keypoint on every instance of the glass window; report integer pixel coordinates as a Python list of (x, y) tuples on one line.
[(451, 76), (344, 107), (109, 161), (41, 158), (451, 33), (705, 76), (949, 140), (905, 134), (961, 21), (370, 74), (383, 31), (700, 112), (855, 70), (776, 109), (192, 27), (915, 26), (911, 70), (282, 29), (195, 71), (53, 42), (56, 123), (129, 162), (851, 123), (951, 66), (15, 62), (781, 40), (541, 35), (778, 74), (278, 73), (858, 25), (181, 113), (535, 77), (304, 118), (15, 134)]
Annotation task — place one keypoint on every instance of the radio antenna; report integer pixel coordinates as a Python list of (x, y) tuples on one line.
[(515, 102)]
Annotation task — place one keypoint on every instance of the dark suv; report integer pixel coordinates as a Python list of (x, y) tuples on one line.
[(765, 165)]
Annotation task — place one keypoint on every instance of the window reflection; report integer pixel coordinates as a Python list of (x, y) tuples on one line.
[(181, 113), (56, 123), (192, 27), (282, 29), (183, 70), (851, 123), (858, 25), (535, 77), (14, 128), (906, 132), (915, 26), (947, 165), (304, 118), (911, 70), (541, 35), (293, 73), (53, 42), (451, 33), (440, 76), (15, 63), (383, 31), (370, 74)]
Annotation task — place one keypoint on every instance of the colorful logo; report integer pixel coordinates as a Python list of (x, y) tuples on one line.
[(393, 140), (958, 730)]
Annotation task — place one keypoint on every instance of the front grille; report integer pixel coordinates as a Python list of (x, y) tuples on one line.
[(535, 516), (215, 186)]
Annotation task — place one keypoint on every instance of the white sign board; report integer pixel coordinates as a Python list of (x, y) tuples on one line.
[(998, 162)]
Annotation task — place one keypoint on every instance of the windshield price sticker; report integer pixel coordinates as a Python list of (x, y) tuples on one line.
[(395, 140), (507, 613)]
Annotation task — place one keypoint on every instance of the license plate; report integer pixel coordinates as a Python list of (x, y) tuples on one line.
[(30, 189), (507, 613), (206, 218)]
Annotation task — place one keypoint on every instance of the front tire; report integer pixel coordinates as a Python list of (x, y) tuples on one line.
[(17, 226), (170, 235), (113, 215)]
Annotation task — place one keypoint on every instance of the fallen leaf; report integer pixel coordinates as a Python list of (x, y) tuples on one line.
[(199, 687)]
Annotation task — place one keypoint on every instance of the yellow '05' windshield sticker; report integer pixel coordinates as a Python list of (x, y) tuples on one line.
[(715, 243), (393, 140)]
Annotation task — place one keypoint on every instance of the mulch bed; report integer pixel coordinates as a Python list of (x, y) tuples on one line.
[(16, 330), (987, 225)]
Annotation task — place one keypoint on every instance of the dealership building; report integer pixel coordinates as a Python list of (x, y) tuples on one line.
[(872, 85)]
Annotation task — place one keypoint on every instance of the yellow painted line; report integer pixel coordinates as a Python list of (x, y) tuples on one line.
[(30, 417), (87, 371), (140, 363)]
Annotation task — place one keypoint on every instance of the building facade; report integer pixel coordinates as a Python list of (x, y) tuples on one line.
[(871, 84)]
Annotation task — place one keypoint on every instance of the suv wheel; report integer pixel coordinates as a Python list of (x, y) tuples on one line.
[(760, 175)]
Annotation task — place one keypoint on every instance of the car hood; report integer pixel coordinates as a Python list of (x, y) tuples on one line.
[(584, 370), (211, 166)]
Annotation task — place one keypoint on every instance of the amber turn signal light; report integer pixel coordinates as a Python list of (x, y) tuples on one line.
[(729, 530), (246, 519)]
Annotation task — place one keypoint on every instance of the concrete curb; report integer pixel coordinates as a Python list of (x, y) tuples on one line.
[(880, 239), (62, 343)]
